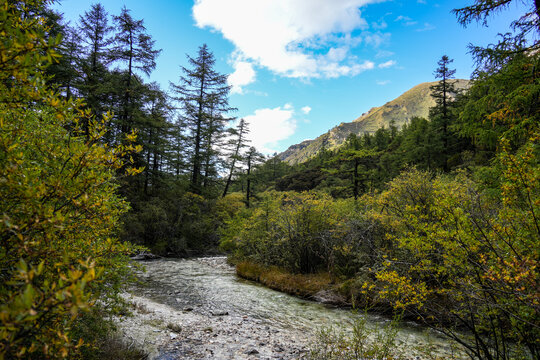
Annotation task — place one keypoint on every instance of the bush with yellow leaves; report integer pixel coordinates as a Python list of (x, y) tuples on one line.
[(58, 207)]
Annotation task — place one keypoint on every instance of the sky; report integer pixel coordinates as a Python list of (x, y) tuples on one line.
[(297, 68)]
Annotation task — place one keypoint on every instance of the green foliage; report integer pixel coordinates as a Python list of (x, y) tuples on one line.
[(176, 223), (301, 232), (58, 205), (465, 259), (502, 105), (363, 342)]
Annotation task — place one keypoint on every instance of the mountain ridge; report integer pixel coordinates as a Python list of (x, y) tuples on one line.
[(414, 102)]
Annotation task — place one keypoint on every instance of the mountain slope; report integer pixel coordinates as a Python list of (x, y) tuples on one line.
[(414, 102)]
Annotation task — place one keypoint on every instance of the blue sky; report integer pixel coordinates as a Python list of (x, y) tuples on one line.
[(300, 67)]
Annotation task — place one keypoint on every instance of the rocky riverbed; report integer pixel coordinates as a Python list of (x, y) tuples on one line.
[(199, 309), (166, 333)]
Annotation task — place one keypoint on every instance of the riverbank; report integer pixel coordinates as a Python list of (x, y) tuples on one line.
[(166, 333), (200, 309), (318, 287)]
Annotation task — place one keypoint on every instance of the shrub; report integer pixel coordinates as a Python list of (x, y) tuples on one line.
[(58, 206)]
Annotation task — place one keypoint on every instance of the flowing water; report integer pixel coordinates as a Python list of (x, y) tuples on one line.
[(210, 287)]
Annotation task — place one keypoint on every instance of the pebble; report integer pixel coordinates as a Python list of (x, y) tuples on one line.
[(219, 312)]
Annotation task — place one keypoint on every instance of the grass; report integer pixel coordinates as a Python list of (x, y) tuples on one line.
[(277, 279)]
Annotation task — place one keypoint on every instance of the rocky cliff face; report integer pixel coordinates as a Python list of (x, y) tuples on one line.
[(415, 102)]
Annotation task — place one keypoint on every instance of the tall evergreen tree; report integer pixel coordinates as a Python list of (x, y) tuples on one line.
[(135, 48), (63, 73), (155, 132), (203, 96), (253, 157), (238, 144), (94, 30), (443, 92)]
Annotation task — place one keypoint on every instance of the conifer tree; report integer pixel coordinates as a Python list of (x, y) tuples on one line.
[(203, 96), (522, 40), (253, 157), (443, 92), (155, 131), (94, 30), (135, 48), (238, 143)]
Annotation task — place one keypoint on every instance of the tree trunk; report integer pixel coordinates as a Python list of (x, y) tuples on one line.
[(248, 186), (355, 180)]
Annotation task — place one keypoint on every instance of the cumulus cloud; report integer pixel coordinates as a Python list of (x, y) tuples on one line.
[(268, 126), (243, 75), (285, 35), (387, 64), (306, 109), (383, 82)]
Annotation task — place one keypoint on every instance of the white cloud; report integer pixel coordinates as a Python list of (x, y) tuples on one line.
[(268, 126), (403, 18), (427, 27), (387, 64), (383, 82), (379, 25), (284, 35), (306, 109), (384, 53), (243, 75), (376, 39), (406, 20)]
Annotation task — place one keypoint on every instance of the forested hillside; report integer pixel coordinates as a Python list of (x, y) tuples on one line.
[(414, 103)]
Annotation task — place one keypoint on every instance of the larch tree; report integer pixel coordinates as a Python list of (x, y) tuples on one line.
[(253, 158), (95, 33), (135, 48), (443, 92), (523, 39), (238, 143), (203, 96)]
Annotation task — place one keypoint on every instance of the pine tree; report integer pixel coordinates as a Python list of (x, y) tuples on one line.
[(359, 163), (238, 144), (522, 40), (63, 73), (95, 32), (135, 48), (203, 96), (253, 157), (155, 133), (441, 116)]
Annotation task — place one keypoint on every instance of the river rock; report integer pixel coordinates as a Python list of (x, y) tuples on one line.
[(145, 256), (329, 297), (219, 312)]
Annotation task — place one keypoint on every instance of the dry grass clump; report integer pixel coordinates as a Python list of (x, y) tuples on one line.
[(304, 285)]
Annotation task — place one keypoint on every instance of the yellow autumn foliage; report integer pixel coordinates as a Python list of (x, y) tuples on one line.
[(58, 207)]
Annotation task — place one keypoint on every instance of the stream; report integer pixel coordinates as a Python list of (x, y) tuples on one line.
[(199, 309)]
